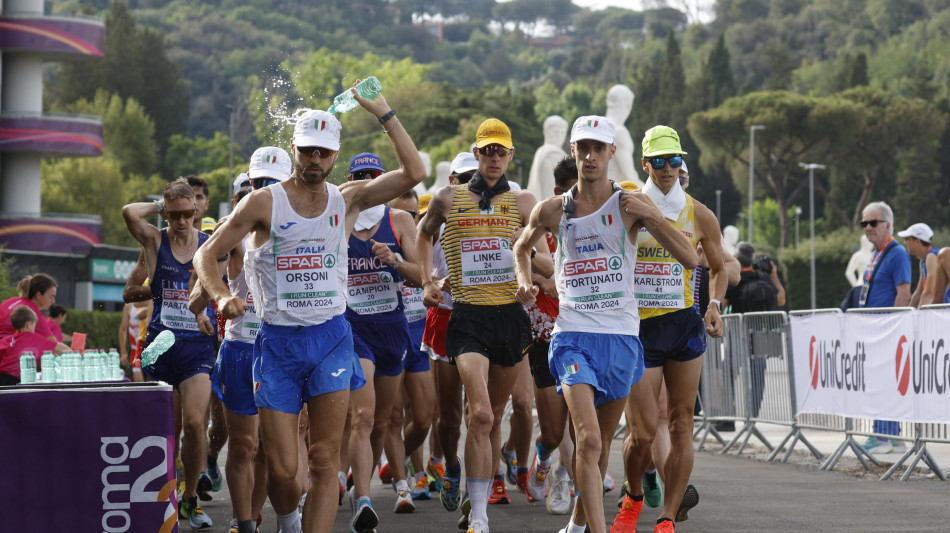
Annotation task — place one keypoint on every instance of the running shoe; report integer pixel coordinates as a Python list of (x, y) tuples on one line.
[(436, 473), (450, 493), (876, 445), (537, 481), (192, 511), (420, 490), (364, 520), (558, 500), (652, 489), (608, 483), (205, 487), (477, 526), (404, 502), (665, 526), (898, 446), (384, 474), (215, 474), (626, 519), (342, 480), (511, 464), (690, 499), (623, 494), (523, 482), (466, 509), (498, 492)]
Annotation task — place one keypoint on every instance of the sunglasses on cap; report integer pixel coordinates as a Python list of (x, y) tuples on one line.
[(322, 152), (367, 174), (492, 149), (260, 183), (872, 223), (657, 163), (178, 215)]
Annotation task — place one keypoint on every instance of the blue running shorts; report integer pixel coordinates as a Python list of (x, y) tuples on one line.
[(417, 359), (610, 363), (383, 341), (677, 336), (190, 355), (232, 379), (295, 363)]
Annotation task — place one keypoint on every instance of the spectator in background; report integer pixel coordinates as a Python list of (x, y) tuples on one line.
[(759, 289), (886, 283), (200, 186), (917, 241), (23, 339), (57, 316), (37, 292)]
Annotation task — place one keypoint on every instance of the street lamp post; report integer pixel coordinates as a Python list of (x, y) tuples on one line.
[(752, 174), (798, 218), (811, 214)]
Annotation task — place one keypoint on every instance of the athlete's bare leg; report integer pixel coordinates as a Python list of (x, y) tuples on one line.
[(450, 410), (195, 395), (239, 466), (327, 413), (682, 381), (522, 419)]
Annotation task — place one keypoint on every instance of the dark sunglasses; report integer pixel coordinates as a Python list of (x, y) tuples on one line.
[(260, 183), (366, 174), (177, 215), (465, 177), (657, 163), (492, 149), (413, 214), (308, 151), (872, 223), (682, 180)]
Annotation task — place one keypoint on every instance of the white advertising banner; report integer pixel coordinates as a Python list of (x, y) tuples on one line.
[(885, 366)]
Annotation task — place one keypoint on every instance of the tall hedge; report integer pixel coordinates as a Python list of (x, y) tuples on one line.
[(101, 328)]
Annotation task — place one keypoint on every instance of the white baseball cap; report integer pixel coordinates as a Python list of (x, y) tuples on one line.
[(241, 181), (317, 128), (463, 162), (594, 128), (919, 231), (270, 162)]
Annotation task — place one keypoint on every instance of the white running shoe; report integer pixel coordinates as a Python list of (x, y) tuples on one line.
[(404, 502), (477, 526), (558, 500), (537, 481)]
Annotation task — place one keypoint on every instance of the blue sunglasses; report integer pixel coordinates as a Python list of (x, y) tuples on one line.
[(657, 163)]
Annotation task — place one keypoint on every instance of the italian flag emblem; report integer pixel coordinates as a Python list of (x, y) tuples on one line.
[(573, 369), (319, 125), (271, 159), (593, 123), (607, 219), (334, 221)]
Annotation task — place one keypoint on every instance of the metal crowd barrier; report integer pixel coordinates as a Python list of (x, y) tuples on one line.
[(748, 377)]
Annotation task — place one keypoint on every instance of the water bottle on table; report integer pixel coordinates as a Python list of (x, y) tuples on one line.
[(27, 367), (345, 101)]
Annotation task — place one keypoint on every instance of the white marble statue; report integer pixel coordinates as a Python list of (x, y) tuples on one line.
[(858, 262), (546, 157), (442, 171), (427, 161), (619, 106), (730, 237)]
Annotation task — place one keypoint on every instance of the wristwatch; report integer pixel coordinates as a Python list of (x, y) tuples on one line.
[(718, 304), (399, 261)]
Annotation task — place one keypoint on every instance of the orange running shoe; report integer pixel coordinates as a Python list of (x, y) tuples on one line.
[(665, 526), (498, 492), (626, 519)]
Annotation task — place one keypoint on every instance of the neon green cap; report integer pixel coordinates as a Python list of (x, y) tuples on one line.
[(661, 140)]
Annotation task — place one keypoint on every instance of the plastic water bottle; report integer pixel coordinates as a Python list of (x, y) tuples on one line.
[(47, 366), (115, 368), (27, 367), (160, 344), (344, 101)]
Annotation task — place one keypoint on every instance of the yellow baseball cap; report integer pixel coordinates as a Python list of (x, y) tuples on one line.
[(628, 185), (661, 140), (207, 224), (493, 131), (424, 203)]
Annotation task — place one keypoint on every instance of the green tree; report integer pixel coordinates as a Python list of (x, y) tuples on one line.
[(128, 132), (137, 66), (798, 128), (96, 185)]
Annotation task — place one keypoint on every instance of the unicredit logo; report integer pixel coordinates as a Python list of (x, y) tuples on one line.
[(833, 368), (926, 372)]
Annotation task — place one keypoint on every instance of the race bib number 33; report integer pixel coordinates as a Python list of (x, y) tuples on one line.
[(306, 281)]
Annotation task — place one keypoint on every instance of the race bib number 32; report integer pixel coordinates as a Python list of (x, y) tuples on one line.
[(596, 284)]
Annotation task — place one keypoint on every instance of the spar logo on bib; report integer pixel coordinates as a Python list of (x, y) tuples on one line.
[(585, 266), (385, 277), (615, 262), (902, 370)]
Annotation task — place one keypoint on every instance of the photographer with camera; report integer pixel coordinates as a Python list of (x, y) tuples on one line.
[(759, 289)]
